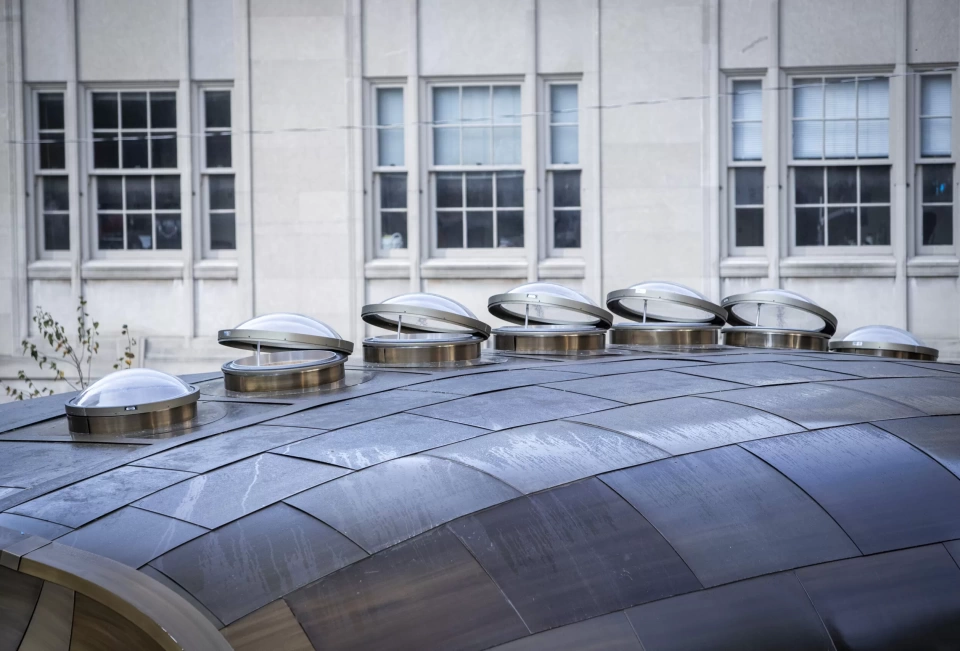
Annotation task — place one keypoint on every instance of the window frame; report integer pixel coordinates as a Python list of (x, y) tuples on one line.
[(377, 170), (202, 173), (432, 170), (792, 163), (549, 167), (729, 204), (918, 161), (36, 174), (90, 174)]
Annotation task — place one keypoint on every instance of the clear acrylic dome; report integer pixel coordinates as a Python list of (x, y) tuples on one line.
[(417, 315), (786, 317), (544, 313), (135, 386), (667, 311), (289, 322), (882, 334)]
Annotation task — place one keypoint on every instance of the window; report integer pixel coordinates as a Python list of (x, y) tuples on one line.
[(51, 182), (842, 206), (563, 167), (477, 127), (137, 187), (217, 176), (746, 166), (390, 177), (935, 170), (843, 119)]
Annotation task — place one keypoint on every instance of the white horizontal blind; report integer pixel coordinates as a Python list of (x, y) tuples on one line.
[(390, 123), (476, 125), (935, 115), (841, 118), (747, 120), (564, 149)]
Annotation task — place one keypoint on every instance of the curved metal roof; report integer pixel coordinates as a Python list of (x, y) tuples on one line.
[(767, 499)]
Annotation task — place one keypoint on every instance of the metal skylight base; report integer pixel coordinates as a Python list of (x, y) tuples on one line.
[(549, 339), (283, 371), (422, 349), (751, 337), (659, 334), (116, 425), (895, 351)]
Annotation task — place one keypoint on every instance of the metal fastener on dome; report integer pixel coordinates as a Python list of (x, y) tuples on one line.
[(427, 329), (777, 318), (132, 400), (664, 314), (884, 341), (550, 319), (291, 352)]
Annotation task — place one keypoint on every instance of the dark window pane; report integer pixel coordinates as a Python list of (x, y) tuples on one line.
[(139, 232), (809, 226), (874, 185), (479, 230), (139, 189), (56, 194), (750, 226), (221, 192), (109, 193), (168, 231), (110, 231), (56, 232), (168, 192), (875, 225), (509, 228), (937, 183), (566, 229), (217, 108), (223, 231), (449, 230), (393, 230), (164, 148), (449, 190), (52, 156), (133, 110), (106, 151), (105, 111), (163, 110), (749, 186), (219, 152), (842, 226), (510, 189), (479, 191), (937, 225), (134, 151), (841, 185), (50, 108), (566, 189), (393, 191), (809, 185)]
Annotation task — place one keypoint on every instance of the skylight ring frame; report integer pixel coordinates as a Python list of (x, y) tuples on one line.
[(885, 349), (270, 340), (615, 305), (133, 409), (372, 314), (603, 318), (829, 320)]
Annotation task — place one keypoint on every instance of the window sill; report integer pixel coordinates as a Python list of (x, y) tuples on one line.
[(933, 267), (474, 268), (49, 270), (744, 268), (387, 268), (215, 270), (852, 267), (132, 270), (562, 268)]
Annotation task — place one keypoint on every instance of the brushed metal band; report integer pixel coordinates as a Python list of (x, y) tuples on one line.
[(884, 349), (400, 352), (748, 337), (131, 422), (661, 336), (129, 410), (549, 342), (283, 380)]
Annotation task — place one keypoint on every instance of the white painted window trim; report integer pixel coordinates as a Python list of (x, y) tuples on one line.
[(545, 180), (895, 116), (728, 215), (35, 175), (201, 173), (89, 174), (915, 166), (374, 170), (429, 226)]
